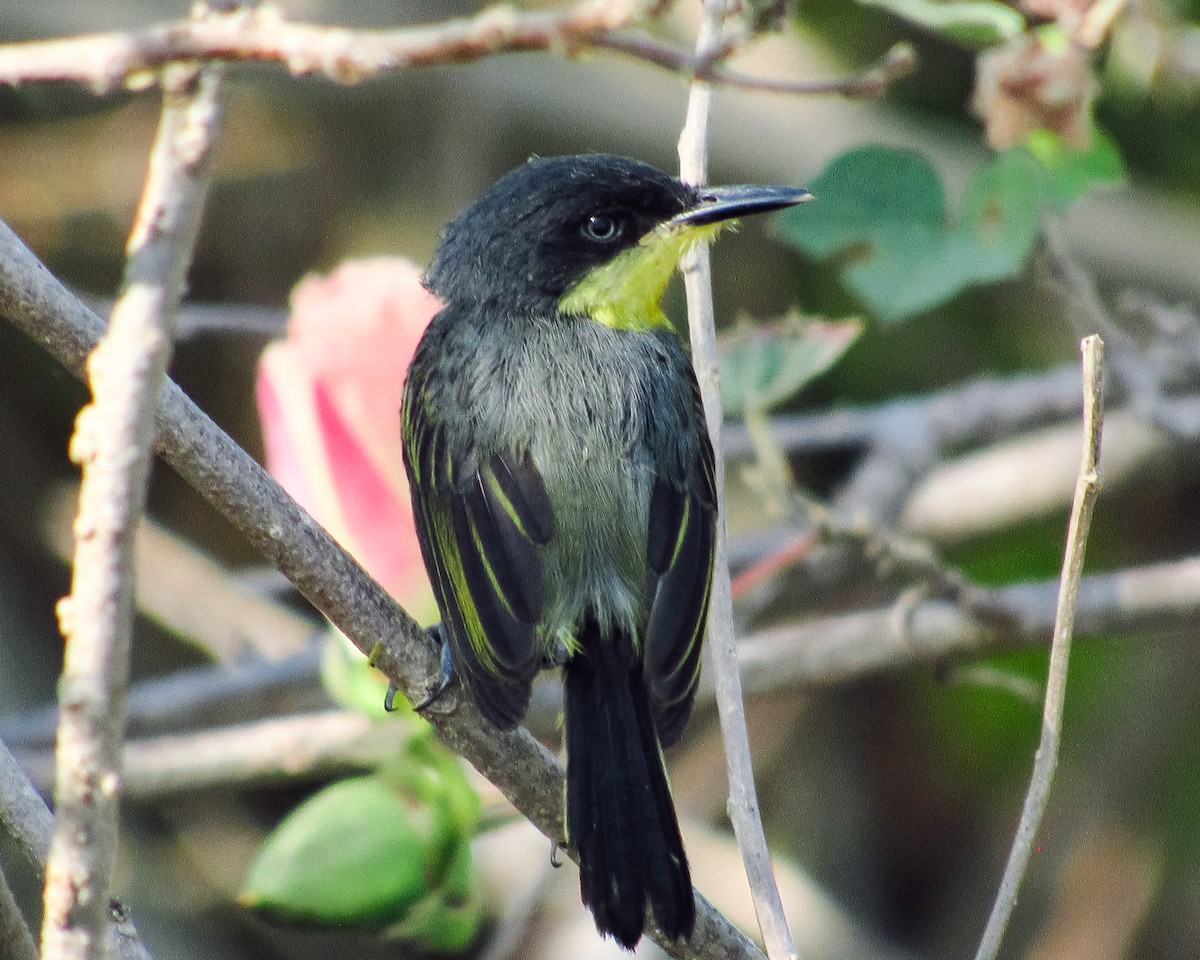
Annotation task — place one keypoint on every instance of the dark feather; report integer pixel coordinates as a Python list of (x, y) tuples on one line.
[(512, 558), (511, 642), (476, 536), (522, 485), (666, 514), (678, 615), (620, 816)]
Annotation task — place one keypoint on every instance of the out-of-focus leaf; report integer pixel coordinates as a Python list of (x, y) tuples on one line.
[(763, 365), (1070, 173), (884, 210), (388, 853), (1039, 80), (875, 196), (975, 23), (355, 853), (447, 920), (436, 775), (1001, 213), (351, 680)]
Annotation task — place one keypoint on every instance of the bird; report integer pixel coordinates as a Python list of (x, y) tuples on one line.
[(564, 491)]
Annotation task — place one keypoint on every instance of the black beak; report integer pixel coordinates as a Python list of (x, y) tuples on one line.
[(723, 203)]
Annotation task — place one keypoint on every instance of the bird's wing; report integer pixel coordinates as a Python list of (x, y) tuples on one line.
[(479, 533), (680, 546)]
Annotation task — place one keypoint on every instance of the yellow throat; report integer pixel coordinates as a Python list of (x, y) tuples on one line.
[(625, 292)]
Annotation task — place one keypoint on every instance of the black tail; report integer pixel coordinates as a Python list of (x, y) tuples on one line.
[(620, 817)]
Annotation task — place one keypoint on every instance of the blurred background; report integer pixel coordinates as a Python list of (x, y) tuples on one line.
[(889, 796)]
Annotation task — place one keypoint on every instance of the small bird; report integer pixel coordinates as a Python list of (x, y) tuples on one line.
[(564, 494)]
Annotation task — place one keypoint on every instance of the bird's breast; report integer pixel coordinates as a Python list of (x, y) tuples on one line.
[(588, 403)]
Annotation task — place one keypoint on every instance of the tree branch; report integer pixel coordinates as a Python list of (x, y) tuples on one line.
[(311, 746), (1046, 759), (743, 798), (257, 506), (107, 61), (112, 444), (16, 942), (25, 817)]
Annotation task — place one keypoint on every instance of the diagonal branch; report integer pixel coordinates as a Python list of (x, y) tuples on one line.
[(224, 474)]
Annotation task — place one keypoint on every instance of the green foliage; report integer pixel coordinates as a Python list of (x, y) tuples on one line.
[(884, 211), (974, 23), (886, 207), (763, 365), (1071, 173), (349, 678), (387, 854)]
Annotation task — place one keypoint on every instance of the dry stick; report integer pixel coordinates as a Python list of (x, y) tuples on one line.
[(814, 654), (112, 443), (1046, 758), (25, 817), (16, 942), (241, 491), (109, 60), (310, 746), (743, 799)]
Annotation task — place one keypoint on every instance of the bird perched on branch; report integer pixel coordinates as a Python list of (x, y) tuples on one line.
[(563, 488)]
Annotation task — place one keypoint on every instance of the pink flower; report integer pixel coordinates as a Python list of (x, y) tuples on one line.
[(329, 400)]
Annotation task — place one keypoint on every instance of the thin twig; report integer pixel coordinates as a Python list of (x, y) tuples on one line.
[(743, 799), (25, 817), (1046, 759), (112, 444), (242, 492), (16, 942), (308, 746), (197, 698), (108, 60)]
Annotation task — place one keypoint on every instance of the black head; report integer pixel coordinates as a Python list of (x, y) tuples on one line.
[(544, 225)]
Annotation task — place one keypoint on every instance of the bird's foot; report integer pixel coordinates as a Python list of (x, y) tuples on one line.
[(445, 673)]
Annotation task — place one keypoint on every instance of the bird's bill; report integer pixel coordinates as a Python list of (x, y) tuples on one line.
[(717, 204)]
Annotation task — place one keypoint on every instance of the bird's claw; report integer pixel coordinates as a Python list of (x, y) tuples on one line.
[(445, 672)]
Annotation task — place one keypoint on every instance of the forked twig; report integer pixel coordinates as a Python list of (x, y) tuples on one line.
[(108, 61)]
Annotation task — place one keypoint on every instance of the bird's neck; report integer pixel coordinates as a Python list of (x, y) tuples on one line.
[(624, 293)]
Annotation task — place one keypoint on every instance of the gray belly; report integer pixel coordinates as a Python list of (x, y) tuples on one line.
[(579, 399)]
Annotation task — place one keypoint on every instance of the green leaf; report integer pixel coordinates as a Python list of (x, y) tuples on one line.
[(884, 211), (357, 853), (879, 197), (447, 921), (388, 853), (435, 775), (975, 23), (762, 365), (351, 680), (1070, 173), (1001, 216)]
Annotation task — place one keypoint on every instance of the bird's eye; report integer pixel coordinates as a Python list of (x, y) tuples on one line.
[(601, 228)]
